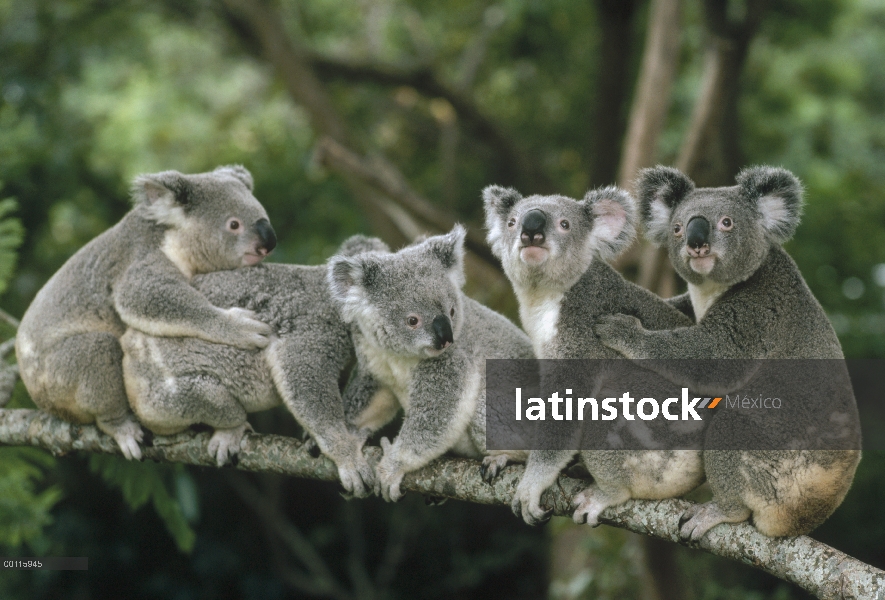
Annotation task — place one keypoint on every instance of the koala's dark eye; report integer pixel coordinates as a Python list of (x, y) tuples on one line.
[(413, 321), (565, 224), (234, 225), (677, 229), (452, 313), (726, 224), (511, 222)]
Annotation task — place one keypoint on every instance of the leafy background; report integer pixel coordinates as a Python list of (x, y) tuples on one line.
[(94, 92)]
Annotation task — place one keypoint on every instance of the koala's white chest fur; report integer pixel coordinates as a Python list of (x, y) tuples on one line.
[(390, 370), (704, 295), (539, 313)]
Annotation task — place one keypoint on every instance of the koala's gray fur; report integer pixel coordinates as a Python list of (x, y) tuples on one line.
[(137, 275), (174, 383), (553, 250), (751, 302), (421, 346)]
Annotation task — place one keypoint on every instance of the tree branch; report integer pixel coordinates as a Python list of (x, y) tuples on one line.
[(425, 80), (392, 184), (814, 566)]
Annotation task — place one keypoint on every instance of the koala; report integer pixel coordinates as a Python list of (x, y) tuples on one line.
[(554, 251), (750, 302), (137, 275), (174, 383), (421, 345)]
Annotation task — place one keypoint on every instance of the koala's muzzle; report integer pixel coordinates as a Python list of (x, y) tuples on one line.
[(697, 236), (266, 235), (533, 225), (442, 332)]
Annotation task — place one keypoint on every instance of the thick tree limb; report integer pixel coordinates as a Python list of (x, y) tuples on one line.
[(814, 566)]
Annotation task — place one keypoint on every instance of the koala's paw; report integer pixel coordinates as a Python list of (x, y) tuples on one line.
[(388, 475), (698, 519), (527, 504), (491, 466), (248, 332), (225, 443), (358, 478), (588, 506), (615, 331), (128, 436)]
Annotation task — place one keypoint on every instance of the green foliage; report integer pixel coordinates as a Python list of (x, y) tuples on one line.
[(25, 501), (167, 487), (11, 236)]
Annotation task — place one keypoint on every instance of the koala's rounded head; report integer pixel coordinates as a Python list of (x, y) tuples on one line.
[(719, 234), (212, 220), (550, 241), (408, 303)]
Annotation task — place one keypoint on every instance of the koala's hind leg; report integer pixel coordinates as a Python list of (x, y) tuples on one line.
[(177, 403), (700, 518), (590, 503), (83, 382)]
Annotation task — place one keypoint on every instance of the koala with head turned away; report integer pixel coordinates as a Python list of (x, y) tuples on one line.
[(174, 383), (554, 251), (421, 346), (137, 275), (750, 302)]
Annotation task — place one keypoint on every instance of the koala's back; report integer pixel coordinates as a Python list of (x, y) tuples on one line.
[(492, 335), (77, 297), (292, 299), (281, 295)]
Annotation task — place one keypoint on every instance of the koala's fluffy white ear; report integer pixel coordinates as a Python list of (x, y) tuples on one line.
[(613, 214), (660, 189), (449, 250), (238, 171), (497, 201), (165, 196), (777, 194), (344, 275)]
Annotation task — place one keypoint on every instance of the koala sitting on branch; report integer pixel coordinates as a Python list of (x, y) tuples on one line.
[(421, 345), (750, 302), (137, 275), (174, 383), (554, 251)]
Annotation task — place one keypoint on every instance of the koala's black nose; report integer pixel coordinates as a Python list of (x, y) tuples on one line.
[(442, 331), (697, 233), (267, 235), (533, 224)]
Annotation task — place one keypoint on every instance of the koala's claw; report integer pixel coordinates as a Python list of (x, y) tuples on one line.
[(531, 512), (251, 333), (492, 466), (698, 519), (225, 444), (435, 500), (587, 508), (128, 436)]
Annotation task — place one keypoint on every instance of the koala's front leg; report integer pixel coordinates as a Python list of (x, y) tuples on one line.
[(368, 406), (305, 370), (442, 401), (689, 356), (541, 470), (153, 296)]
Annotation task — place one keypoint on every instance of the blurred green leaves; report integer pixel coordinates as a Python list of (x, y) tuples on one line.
[(167, 487)]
